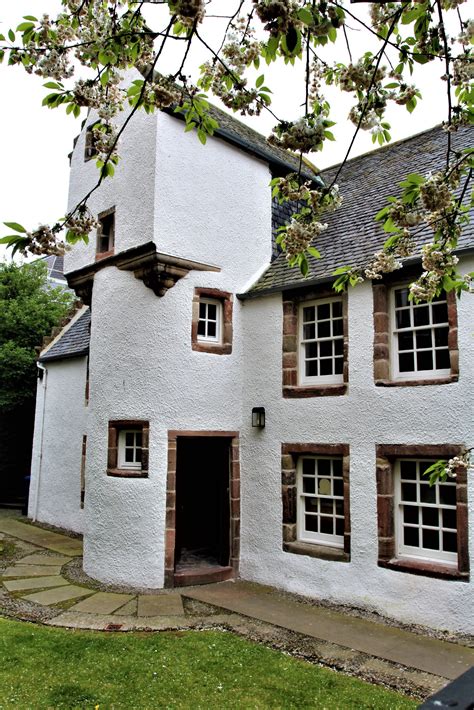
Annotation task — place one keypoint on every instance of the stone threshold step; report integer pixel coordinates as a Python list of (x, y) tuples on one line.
[(423, 653)]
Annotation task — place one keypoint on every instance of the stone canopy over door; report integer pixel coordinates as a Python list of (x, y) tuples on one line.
[(203, 507)]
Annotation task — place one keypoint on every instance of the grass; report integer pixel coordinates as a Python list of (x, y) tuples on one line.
[(42, 667), (7, 550)]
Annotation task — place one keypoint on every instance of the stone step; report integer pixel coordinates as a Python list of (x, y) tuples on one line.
[(424, 653), (56, 596), (102, 603), (20, 570), (56, 542), (160, 605), (17, 585)]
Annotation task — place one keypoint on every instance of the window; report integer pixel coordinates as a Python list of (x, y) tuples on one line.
[(414, 343), (320, 513), (128, 449), (210, 320), (420, 336), (90, 151), (422, 529), (211, 329), (106, 233), (426, 515), (315, 497), (315, 343), (321, 342)]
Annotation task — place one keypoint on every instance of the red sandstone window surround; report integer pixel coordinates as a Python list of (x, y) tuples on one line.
[(316, 500), (414, 344), (106, 234), (128, 448), (315, 343), (211, 330), (422, 529)]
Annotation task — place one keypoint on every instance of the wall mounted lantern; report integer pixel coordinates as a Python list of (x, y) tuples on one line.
[(258, 417)]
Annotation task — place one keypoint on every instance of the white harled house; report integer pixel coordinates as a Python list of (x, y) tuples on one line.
[(144, 435)]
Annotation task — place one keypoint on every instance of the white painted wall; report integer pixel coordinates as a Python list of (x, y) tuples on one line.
[(366, 416), (141, 361), (131, 190), (55, 488)]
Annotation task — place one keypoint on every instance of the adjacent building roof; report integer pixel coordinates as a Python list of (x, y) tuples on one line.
[(353, 236), (73, 341), (55, 266)]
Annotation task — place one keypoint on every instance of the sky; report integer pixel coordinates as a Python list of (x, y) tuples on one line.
[(35, 141)]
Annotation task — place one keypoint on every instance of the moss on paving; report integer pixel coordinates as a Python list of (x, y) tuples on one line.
[(7, 550), (43, 668)]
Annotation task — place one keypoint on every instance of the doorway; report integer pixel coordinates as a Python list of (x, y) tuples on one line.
[(203, 546)]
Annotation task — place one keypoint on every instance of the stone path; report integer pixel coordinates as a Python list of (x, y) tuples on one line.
[(375, 650)]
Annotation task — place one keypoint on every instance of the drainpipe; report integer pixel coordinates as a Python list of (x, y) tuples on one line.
[(44, 378)]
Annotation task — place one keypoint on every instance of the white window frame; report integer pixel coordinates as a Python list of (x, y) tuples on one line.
[(304, 535), (420, 553), (219, 318), (415, 374), (318, 379), (121, 462)]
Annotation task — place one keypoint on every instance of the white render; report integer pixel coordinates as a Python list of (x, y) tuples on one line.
[(212, 204), (60, 423)]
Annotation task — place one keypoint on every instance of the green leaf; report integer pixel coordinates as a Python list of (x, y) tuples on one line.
[(341, 270), (30, 17), (10, 238), (11, 35), (260, 81), (17, 227), (305, 16), (292, 37), (52, 85), (23, 26), (314, 252)]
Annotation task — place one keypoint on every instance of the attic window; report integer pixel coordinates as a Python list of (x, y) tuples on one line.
[(106, 233), (90, 151)]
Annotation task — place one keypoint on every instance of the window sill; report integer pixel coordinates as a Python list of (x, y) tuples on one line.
[(315, 391), (126, 473), (104, 254), (427, 569), (202, 347), (333, 554), (417, 383)]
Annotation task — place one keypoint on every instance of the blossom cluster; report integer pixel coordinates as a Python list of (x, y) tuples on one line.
[(304, 135), (81, 223), (437, 261), (456, 464), (42, 240), (383, 263), (188, 11), (299, 235), (278, 15)]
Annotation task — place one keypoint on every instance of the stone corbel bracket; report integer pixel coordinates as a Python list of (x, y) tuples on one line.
[(158, 271)]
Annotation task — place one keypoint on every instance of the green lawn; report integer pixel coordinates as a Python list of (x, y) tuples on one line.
[(56, 668)]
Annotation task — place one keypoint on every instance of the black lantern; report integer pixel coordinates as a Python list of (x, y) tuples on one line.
[(258, 417)]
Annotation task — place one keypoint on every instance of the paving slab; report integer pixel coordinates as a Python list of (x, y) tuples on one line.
[(129, 609), (160, 605), (56, 542), (31, 571), (17, 585), (102, 603), (440, 658), (38, 559), (61, 594)]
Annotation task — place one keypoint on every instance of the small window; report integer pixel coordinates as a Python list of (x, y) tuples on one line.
[(320, 512), (211, 326), (420, 332), (128, 449), (90, 151), (426, 523), (210, 320), (106, 232), (321, 342)]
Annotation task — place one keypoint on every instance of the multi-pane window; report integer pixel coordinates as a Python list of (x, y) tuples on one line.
[(106, 232), (321, 340), (320, 511), (130, 448), (210, 320), (426, 515), (420, 337)]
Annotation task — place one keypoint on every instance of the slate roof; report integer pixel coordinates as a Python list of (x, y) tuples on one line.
[(74, 342), (353, 236), (55, 266)]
